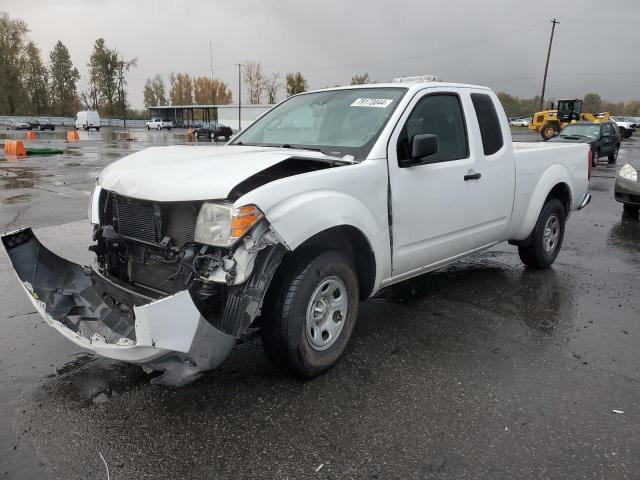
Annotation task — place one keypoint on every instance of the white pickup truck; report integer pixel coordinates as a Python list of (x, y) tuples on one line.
[(159, 124), (321, 202)]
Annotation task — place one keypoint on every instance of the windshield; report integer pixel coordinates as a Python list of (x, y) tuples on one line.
[(581, 131), (335, 122)]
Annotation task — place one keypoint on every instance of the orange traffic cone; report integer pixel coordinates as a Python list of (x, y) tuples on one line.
[(72, 136), (14, 148), (130, 137), (190, 132), (31, 135)]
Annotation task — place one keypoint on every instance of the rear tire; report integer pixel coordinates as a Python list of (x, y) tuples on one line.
[(613, 156), (148, 127), (546, 238), (310, 312)]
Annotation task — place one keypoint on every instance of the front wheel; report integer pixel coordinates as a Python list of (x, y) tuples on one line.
[(548, 132), (148, 127), (546, 239), (310, 312), (613, 156)]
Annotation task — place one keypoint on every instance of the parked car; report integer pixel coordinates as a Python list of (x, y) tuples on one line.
[(604, 138), (625, 125), (520, 122), (298, 225), (213, 131), (627, 187), (33, 124), (159, 124), (46, 125), (87, 120), (18, 126)]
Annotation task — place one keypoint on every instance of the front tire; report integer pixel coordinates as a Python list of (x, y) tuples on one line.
[(546, 239), (310, 312), (548, 132), (148, 127), (613, 156)]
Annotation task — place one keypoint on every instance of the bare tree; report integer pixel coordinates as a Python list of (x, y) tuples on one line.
[(271, 87), (253, 77), (360, 79), (295, 83)]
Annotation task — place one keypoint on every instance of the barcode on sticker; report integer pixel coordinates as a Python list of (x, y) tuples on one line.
[(372, 102)]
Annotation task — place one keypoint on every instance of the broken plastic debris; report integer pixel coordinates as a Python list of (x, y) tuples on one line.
[(319, 467), (618, 411)]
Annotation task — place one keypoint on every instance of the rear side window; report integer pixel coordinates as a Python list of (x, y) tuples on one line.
[(490, 128)]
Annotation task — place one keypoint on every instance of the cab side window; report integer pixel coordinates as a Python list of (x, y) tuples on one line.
[(440, 115)]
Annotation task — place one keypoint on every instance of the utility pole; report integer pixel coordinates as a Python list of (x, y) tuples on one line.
[(213, 88), (546, 67), (239, 96)]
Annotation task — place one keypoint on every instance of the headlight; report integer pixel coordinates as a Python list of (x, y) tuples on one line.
[(221, 225), (629, 173)]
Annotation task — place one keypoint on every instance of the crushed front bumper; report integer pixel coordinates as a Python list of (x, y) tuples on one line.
[(168, 334)]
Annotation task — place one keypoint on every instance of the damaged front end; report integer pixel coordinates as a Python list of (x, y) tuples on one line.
[(154, 297)]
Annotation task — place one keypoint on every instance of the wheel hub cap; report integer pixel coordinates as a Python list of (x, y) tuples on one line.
[(326, 311), (551, 235)]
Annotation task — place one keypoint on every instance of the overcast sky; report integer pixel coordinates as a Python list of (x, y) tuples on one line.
[(500, 43)]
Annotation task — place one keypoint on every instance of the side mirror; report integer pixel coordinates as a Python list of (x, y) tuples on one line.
[(422, 147)]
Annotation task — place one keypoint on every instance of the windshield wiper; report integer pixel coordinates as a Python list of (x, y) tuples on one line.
[(299, 147)]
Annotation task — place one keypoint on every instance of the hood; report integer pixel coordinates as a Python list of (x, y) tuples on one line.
[(187, 173), (573, 140)]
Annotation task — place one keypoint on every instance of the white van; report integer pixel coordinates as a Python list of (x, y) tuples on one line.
[(87, 120)]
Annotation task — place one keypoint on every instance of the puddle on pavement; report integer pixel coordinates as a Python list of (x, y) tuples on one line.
[(89, 379), (538, 298), (16, 199), (626, 234)]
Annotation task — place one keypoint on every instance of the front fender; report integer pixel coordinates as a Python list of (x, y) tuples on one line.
[(300, 217), (551, 177)]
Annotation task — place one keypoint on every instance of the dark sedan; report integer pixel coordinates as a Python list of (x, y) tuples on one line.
[(45, 125), (213, 131), (627, 187), (604, 138)]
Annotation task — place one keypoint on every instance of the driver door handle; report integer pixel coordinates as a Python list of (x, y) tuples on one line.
[(472, 176)]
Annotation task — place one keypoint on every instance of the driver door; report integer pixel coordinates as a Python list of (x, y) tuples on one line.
[(440, 210)]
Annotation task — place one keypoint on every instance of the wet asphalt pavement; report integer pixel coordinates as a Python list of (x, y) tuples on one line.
[(482, 370)]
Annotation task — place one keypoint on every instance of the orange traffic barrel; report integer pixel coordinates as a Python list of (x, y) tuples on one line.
[(72, 136), (14, 148), (31, 135)]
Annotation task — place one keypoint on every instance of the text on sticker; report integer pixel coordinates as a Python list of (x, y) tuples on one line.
[(372, 102)]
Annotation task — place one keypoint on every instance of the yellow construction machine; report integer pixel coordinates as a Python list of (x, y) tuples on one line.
[(549, 122)]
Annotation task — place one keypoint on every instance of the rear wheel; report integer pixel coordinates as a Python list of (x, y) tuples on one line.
[(613, 156), (158, 127), (195, 134), (546, 238), (148, 127), (310, 312)]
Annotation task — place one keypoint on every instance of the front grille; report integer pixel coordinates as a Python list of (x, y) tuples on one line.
[(134, 218), (180, 222), (153, 273)]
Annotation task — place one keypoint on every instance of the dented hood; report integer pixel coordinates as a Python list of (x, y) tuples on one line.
[(185, 172)]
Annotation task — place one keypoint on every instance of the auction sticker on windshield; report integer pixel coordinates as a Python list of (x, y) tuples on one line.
[(372, 102)]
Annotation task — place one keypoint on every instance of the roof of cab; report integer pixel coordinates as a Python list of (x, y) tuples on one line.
[(412, 86)]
